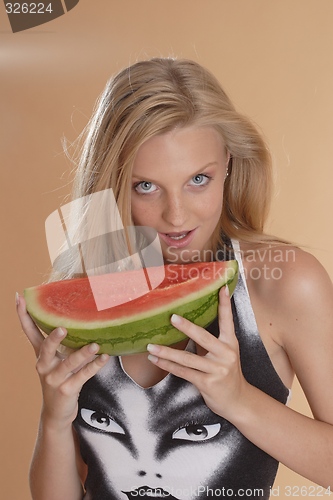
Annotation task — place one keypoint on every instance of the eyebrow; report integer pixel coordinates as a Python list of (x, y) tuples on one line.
[(101, 398), (176, 413), (199, 171)]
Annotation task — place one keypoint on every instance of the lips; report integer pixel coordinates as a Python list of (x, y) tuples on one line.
[(147, 492), (180, 239)]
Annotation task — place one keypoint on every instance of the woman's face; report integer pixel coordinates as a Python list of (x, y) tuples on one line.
[(177, 189), (145, 443)]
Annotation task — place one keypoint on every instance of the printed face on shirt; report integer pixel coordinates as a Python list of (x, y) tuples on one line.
[(177, 189), (161, 442)]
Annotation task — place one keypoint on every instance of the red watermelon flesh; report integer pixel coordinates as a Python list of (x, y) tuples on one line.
[(190, 290)]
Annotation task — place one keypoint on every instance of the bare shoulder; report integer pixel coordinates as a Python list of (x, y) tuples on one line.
[(286, 275), (292, 297), (291, 291)]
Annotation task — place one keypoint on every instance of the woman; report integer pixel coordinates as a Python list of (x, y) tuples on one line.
[(204, 418)]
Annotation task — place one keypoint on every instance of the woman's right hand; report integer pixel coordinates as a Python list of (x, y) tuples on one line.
[(61, 377)]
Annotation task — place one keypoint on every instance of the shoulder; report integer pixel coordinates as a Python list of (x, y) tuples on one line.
[(294, 306), (283, 269), (290, 282)]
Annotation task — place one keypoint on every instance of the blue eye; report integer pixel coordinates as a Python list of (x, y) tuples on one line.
[(197, 432), (200, 179), (145, 187)]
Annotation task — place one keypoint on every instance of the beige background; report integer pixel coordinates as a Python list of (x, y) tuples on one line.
[(275, 60)]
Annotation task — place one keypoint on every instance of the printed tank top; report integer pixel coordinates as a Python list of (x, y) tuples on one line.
[(163, 442)]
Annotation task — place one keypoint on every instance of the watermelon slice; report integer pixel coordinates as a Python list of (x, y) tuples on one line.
[(190, 290)]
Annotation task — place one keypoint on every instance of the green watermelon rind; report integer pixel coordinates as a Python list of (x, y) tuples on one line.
[(134, 335), (200, 313)]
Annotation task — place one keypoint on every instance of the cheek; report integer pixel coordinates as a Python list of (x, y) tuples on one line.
[(141, 215), (111, 463), (211, 205)]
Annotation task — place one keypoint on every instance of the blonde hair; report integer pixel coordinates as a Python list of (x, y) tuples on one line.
[(153, 97)]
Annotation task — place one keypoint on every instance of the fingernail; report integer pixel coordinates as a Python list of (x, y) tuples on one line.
[(17, 298), (175, 319), (153, 348), (93, 348), (60, 332), (152, 358), (104, 357), (227, 291)]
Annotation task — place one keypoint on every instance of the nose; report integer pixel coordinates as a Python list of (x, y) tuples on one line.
[(176, 211), (144, 473)]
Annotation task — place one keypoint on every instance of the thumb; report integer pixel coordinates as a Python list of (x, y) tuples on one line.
[(35, 337)]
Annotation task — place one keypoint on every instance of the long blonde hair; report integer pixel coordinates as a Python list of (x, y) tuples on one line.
[(153, 97)]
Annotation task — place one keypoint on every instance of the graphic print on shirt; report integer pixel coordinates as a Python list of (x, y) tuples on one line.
[(160, 442), (164, 442)]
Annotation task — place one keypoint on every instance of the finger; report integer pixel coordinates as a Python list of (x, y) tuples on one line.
[(196, 333), (30, 329), (190, 374), (89, 370), (225, 318), (72, 384), (48, 349), (77, 360), (183, 358)]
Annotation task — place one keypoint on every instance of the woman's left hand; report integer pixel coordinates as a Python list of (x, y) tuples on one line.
[(218, 374)]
